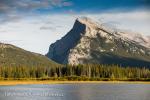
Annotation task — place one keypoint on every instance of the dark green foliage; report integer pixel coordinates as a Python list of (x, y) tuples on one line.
[(79, 72)]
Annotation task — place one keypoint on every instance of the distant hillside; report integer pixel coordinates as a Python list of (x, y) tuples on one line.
[(89, 42), (13, 56)]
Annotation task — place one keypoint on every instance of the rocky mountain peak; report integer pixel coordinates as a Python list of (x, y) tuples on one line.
[(85, 26), (88, 22), (90, 42)]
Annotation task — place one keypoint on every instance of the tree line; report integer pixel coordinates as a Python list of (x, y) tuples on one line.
[(78, 72)]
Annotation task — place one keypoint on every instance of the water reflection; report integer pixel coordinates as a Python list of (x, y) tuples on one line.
[(76, 92)]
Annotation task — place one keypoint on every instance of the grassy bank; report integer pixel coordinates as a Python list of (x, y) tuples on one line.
[(75, 78), (70, 80), (29, 82)]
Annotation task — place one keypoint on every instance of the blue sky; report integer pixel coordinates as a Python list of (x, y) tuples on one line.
[(97, 6), (48, 20), (64, 6)]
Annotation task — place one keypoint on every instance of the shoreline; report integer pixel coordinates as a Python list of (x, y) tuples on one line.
[(26, 82)]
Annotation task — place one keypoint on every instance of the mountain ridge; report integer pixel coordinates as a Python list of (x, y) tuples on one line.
[(88, 39), (11, 55)]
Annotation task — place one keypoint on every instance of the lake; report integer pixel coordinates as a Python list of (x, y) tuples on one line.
[(101, 91)]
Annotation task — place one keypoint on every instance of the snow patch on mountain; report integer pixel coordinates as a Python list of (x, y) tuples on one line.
[(128, 35)]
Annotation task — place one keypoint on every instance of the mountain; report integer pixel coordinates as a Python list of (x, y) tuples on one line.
[(89, 42), (11, 55)]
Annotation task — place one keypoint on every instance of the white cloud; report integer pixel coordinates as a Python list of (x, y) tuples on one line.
[(31, 36), (137, 21), (27, 34)]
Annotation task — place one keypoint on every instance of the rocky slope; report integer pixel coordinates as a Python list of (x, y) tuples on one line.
[(13, 56), (89, 42)]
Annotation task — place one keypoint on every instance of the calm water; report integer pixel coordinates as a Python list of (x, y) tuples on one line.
[(76, 92)]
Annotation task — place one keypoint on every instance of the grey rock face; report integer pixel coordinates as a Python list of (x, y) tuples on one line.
[(90, 42)]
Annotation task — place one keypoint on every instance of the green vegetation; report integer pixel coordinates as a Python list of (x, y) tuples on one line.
[(76, 73), (13, 56)]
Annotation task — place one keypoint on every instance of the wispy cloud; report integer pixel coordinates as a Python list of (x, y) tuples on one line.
[(47, 28), (12, 10), (29, 5)]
